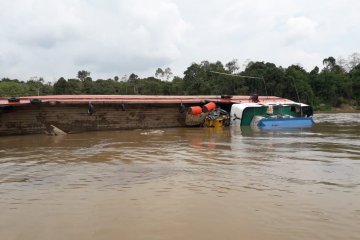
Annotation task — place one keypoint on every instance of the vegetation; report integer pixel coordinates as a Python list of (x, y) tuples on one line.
[(335, 85)]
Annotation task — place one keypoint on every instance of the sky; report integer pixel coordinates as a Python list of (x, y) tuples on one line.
[(53, 39)]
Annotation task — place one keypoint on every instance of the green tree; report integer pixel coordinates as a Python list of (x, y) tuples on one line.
[(232, 66), (133, 77), (35, 86), (150, 86), (12, 88), (177, 86), (329, 63), (47, 89), (105, 87), (354, 75), (196, 80), (74, 86), (159, 73), (272, 79), (298, 87), (61, 86), (133, 82), (87, 86), (353, 61), (82, 75), (168, 73), (335, 84)]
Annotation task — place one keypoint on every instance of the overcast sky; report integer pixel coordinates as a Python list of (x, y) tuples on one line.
[(110, 38)]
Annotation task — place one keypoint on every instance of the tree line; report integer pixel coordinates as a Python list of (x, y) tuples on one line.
[(336, 84)]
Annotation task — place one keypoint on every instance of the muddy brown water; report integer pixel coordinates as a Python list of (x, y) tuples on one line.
[(184, 183)]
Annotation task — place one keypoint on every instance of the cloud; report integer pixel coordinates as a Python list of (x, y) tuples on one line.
[(116, 37), (101, 37), (300, 28)]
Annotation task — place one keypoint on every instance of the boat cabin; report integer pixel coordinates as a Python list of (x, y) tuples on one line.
[(243, 113)]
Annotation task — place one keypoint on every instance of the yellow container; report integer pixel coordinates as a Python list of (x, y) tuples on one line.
[(216, 123)]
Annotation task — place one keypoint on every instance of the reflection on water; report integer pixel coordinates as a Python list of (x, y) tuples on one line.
[(189, 183)]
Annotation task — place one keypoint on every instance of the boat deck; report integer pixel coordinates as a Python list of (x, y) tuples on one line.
[(78, 99)]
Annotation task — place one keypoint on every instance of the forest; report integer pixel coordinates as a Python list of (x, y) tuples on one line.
[(336, 84)]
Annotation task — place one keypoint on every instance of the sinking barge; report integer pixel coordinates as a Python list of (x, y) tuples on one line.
[(79, 113)]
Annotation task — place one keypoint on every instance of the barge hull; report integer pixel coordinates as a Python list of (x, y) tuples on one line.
[(72, 118), (70, 113)]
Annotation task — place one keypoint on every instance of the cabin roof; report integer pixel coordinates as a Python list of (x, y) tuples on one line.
[(78, 99)]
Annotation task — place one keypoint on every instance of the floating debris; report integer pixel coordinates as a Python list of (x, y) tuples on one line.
[(153, 132)]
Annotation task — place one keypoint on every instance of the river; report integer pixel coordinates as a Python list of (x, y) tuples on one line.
[(184, 183)]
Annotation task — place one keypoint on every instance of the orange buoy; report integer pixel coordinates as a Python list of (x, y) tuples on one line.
[(209, 107), (195, 110)]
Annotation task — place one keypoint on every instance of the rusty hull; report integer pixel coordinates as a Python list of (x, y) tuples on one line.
[(36, 114)]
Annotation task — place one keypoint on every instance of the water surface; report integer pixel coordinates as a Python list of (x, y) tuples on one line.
[(186, 183)]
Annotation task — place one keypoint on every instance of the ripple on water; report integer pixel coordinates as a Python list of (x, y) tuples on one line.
[(307, 181)]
